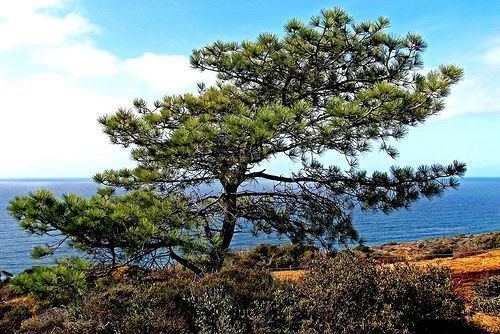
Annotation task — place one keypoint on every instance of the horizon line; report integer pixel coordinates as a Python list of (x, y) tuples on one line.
[(90, 178)]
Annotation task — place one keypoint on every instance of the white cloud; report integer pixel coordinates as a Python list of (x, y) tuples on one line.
[(48, 119), (166, 72), (80, 60), (492, 58), (162, 73), (23, 22), (479, 91), (49, 128), (473, 95)]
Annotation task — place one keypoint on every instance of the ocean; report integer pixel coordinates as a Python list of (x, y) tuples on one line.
[(473, 208)]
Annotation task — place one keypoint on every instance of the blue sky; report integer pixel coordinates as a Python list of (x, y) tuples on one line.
[(64, 62)]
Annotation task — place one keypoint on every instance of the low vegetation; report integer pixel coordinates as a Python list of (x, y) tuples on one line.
[(274, 256), (458, 246), (57, 285), (346, 293), (488, 296)]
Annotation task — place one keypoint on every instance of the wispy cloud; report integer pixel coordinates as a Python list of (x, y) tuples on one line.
[(479, 92), (79, 60), (48, 116), (29, 23)]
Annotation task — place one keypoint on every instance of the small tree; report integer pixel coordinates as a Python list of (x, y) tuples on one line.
[(331, 86)]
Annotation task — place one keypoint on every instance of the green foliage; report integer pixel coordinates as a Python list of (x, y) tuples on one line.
[(244, 285), (41, 251), (488, 296), (61, 284), (344, 294), (137, 306), (118, 229), (275, 256), (216, 312), (440, 250), (332, 85)]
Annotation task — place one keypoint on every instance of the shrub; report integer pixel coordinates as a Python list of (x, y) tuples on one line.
[(386, 257), (14, 309), (11, 317), (363, 248), (460, 245), (56, 285), (347, 294), (419, 297), (158, 307), (238, 300), (279, 314), (350, 294), (51, 321), (217, 311), (275, 256), (488, 296), (490, 241), (391, 243), (344, 294), (243, 285), (440, 250)]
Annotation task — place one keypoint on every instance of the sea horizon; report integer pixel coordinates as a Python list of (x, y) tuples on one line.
[(471, 209), (91, 178)]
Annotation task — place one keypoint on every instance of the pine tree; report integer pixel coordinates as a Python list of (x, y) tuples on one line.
[(332, 85)]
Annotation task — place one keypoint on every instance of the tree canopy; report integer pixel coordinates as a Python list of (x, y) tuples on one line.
[(332, 85)]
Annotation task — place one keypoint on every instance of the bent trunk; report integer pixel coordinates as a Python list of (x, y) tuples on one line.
[(219, 251)]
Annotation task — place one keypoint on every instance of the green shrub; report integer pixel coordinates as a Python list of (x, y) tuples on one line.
[(131, 307), (347, 294), (344, 294), (350, 294), (460, 245), (488, 296), (57, 285), (279, 313), (363, 249), (226, 302), (217, 311), (244, 285), (440, 250), (490, 241), (275, 256), (391, 243)]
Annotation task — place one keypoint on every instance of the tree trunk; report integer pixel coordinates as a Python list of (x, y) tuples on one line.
[(218, 253)]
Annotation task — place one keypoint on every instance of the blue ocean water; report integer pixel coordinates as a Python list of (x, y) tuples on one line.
[(473, 208)]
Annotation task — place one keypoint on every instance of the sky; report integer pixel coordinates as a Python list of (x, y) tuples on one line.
[(65, 62)]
